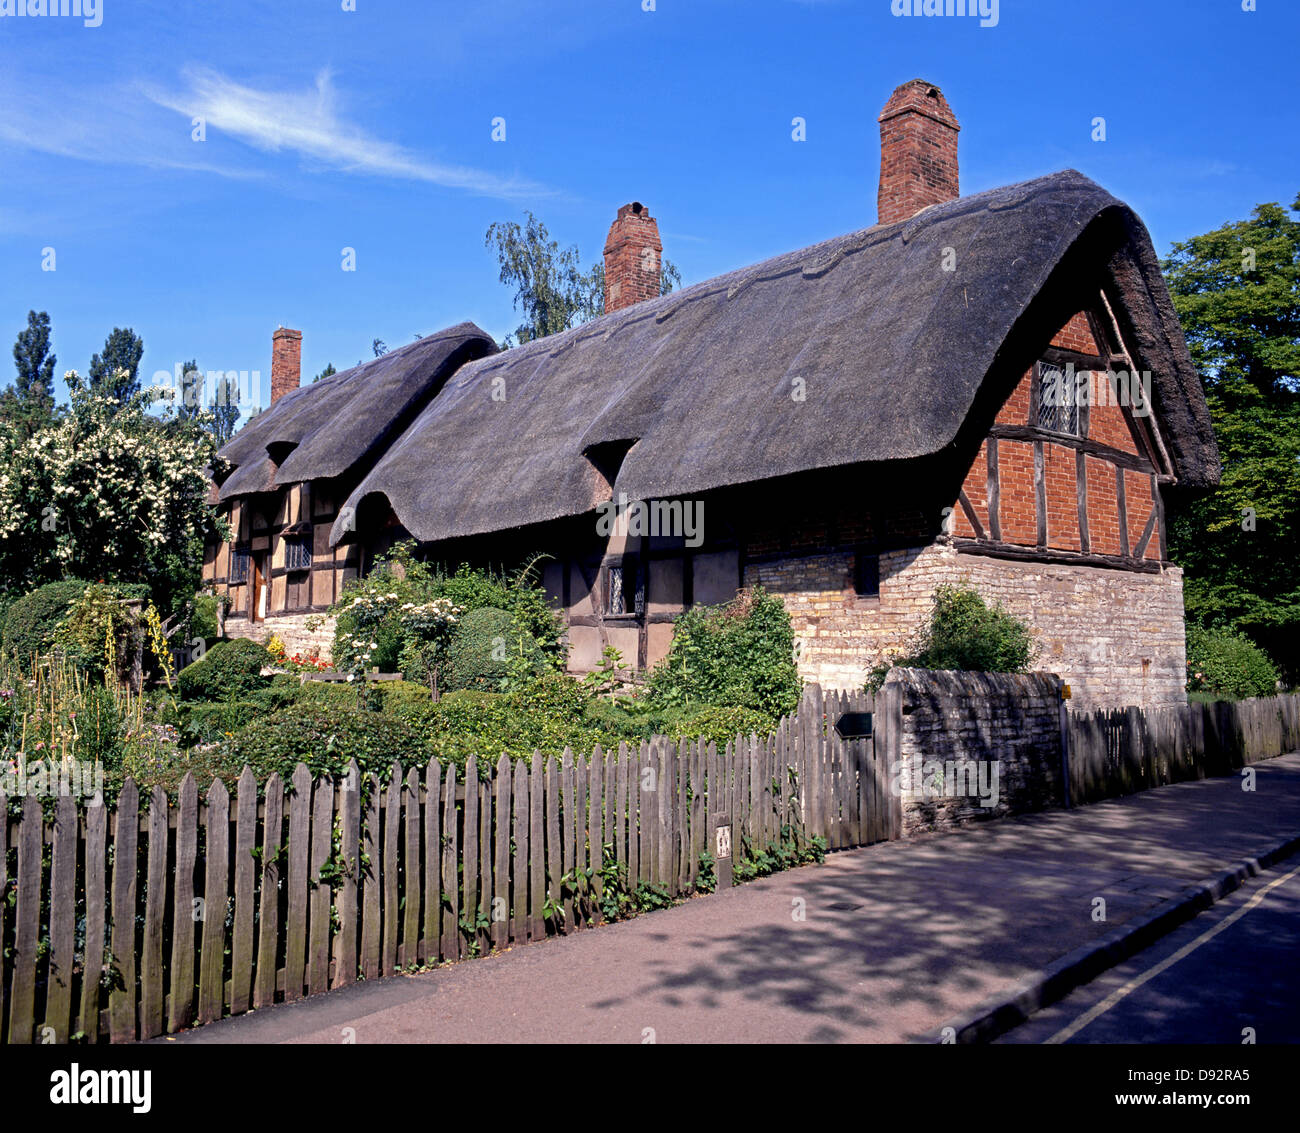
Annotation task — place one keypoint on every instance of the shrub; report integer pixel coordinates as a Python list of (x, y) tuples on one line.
[(723, 724), (739, 655), (1228, 665), (325, 739), (230, 670), (95, 631), (32, 620), (490, 650), (966, 634), (203, 617)]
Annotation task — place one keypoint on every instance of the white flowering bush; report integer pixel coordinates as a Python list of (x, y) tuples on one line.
[(107, 491)]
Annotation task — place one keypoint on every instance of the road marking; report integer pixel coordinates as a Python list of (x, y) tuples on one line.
[(1136, 982)]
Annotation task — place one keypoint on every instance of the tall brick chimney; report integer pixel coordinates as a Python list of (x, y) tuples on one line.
[(632, 254), (918, 151), (286, 362)]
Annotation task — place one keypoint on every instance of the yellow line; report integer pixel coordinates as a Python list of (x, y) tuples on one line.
[(1106, 1004)]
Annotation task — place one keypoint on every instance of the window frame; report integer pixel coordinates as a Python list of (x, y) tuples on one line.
[(241, 563), (301, 562), (627, 565), (1036, 403)]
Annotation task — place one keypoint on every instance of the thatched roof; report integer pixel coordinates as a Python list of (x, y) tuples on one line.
[(324, 429), (890, 351)]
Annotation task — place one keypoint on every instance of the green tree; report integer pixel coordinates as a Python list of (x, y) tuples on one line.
[(1237, 293), (28, 404), (116, 372), (215, 409), (325, 373), (551, 288)]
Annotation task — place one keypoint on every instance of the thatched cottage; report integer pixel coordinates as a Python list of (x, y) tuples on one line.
[(849, 425)]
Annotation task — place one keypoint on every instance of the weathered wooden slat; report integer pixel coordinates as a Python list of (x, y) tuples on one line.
[(500, 914), (580, 784), (27, 918), (241, 950), (431, 941), (595, 822), (665, 836), (470, 858), (519, 872), (95, 873), (537, 849), (568, 832), (345, 942), (216, 896), (153, 993), (484, 935), (697, 810), (295, 932), (553, 854), (411, 881), (180, 1010), (63, 904), (450, 874), (388, 876), (4, 905), (622, 850), (268, 918), (121, 1001), (646, 810), (321, 892), (371, 883), (609, 772)]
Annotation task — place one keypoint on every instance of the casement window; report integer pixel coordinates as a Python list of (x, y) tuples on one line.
[(1057, 399), (297, 553), (624, 589), (238, 566), (866, 574)]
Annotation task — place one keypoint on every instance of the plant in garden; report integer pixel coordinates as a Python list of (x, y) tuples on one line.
[(107, 491), (1228, 665), (964, 633), (738, 655)]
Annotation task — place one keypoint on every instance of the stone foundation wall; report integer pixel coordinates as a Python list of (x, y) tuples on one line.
[(1115, 636), (292, 630), (975, 746)]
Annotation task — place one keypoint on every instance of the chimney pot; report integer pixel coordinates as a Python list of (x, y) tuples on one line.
[(632, 258), (286, 362), (918, 152)]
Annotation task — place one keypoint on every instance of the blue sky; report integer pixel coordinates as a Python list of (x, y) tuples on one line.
[(372, 129)]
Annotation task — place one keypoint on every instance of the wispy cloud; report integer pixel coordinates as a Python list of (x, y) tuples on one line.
[(309, 122)]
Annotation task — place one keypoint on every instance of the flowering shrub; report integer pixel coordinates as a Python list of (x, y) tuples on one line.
[(108, 490)]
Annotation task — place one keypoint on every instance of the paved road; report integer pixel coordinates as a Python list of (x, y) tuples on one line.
[(1229, 969), (895, 939)]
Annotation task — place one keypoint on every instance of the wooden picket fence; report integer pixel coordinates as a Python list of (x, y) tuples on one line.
[(1124, 750), (146, 919)]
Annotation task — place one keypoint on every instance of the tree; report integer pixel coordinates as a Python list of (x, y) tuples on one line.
[(217, 412), (551, 289), (108, 491), (380, 347), (325, 373), (1237, 293), (116, 372), (28, 404)]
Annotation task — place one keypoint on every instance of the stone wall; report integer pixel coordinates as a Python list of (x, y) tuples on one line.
[(975, 746), (1115, 636), (292, 630)]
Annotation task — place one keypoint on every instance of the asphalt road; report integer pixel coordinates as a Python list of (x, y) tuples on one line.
[(1228, 972)]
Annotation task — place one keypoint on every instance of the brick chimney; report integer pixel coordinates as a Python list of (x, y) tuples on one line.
[(918, 152), (286, 362), (632, 255)]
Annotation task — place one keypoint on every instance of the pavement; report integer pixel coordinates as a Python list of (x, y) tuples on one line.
[(884, 944)]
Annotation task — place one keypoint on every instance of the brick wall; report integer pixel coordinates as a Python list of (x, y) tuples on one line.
[(918, 152), (1116, 636), (975, 746)]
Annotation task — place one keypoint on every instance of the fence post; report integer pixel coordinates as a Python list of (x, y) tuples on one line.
[(720, 841), (1065, 743)]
